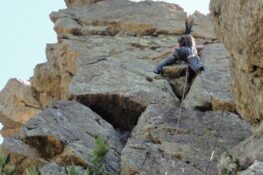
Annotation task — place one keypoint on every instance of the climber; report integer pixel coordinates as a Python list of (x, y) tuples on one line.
[(185, 51)]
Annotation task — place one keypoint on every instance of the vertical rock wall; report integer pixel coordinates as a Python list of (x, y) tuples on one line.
[(239, 25)]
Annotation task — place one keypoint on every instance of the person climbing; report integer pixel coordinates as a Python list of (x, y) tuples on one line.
[(185, 51)]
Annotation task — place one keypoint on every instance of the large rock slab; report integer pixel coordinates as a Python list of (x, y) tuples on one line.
[(77, 25), (114, 90), (89, 17), (211, 90), (202, 26), (18, 103), (70, 3), (22, 155), (51, 79), (66, 133), (255, 169), (142, 18), (243, 155), (239, 25), (157, 145)]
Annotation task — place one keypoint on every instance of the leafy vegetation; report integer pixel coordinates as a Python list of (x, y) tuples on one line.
[(4, 160), (98, 154)]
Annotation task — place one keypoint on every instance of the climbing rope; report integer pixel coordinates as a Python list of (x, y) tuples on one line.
[(182, 100), (181, 106)]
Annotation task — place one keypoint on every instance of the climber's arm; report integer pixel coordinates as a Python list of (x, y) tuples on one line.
[(162, 54)]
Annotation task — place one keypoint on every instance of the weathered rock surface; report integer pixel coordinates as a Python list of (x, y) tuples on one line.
[(10, 128), (211, 90), (115, 16), (70, 3), (158, 145), (84, 18), (239, 25), (243, 155), (65, 134), (51, 79), (102, 60), (19, 101), (117, 88), (203, 28), (22, 155), (255, 169)]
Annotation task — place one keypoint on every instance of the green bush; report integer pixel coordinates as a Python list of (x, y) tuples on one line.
[(32, 171), (98, 154), (4, 160)]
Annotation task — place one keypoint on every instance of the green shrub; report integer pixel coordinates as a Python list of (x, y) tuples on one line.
[(32, 171), (98, 154)]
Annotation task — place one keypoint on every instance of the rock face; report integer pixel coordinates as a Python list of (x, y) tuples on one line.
[(243, 155), (65, 133), (211, 89), (255, 169), (19, 101), (102, 60), (158, 145), (239, 25), (70, 3)]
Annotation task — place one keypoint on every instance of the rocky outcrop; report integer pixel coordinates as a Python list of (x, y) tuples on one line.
[(70, 3), (203, 28), (102, 60), (19, 101), (239, 25), (255, 169), (211, 89), (51, 79), (65, 133), (243, 155), (159, 145)]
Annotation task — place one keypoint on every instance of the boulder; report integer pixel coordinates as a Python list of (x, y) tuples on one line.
[(115, 90), (51, 79), (174, 71), (141, 18), (22, 155), (160, 145), (64, 134), (125, 17), (211, 89), (243, 155), (10, 127), (255, 169), (18, 102), (202, 26), (239, 25)]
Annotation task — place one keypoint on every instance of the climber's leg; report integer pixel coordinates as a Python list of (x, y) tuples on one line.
[(168, 61)]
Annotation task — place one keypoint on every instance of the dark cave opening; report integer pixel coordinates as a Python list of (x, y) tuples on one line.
[(121, 112)]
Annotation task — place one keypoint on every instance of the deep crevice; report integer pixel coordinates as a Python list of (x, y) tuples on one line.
[(204, 108), (190, 80), (121, 112)]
